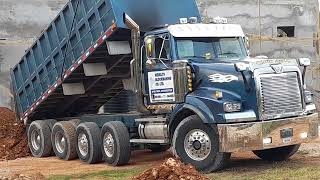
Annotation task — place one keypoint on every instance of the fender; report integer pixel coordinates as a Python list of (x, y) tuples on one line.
[(197, 106)]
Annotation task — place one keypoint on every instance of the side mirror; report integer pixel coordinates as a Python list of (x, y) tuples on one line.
[(240, 66), (304, 62)]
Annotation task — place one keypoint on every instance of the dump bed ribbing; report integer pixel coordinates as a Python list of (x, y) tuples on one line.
[(77, 35)]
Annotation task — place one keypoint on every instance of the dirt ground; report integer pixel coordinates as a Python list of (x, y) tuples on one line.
[(309, 154), (13, 139)]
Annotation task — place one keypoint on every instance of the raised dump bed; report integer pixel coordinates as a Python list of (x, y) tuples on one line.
[(69, 70)]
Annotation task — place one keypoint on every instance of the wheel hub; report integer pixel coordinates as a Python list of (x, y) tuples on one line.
[(197, 145), (108, 144), (60, 142), (35, 140), (83, 144)]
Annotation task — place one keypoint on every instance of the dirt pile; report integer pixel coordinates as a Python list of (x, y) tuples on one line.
[(171, 169), (35, 176), (13, 139)]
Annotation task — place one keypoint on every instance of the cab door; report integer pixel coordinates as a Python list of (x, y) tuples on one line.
[(158, 73)]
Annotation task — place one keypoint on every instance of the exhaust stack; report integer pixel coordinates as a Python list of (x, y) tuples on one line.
[(136, 63)]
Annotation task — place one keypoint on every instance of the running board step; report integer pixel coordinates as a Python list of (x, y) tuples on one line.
[(155, 119), (149, 141)]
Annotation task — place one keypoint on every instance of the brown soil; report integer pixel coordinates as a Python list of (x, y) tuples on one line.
[(13, 139), (171, 169), (240, 162), (35, 176)]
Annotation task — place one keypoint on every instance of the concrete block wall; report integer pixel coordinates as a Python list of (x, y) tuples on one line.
[(21, 21)]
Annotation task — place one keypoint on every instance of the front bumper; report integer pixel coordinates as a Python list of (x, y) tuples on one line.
[(250, 136)]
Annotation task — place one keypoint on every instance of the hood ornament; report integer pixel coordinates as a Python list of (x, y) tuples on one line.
[(277, 68), (220, 78)]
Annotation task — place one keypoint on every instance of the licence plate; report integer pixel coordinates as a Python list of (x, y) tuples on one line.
[(286, 135)]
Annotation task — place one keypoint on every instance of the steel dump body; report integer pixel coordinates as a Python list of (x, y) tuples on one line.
[(78, 35)]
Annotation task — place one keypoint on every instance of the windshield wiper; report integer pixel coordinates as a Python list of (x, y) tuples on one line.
[(194, 57), (229, 53)]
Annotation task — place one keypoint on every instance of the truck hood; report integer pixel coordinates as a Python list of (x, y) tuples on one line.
[(223, 77)]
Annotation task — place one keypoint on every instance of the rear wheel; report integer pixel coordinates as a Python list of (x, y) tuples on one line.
[(277, 154), (39, 139), (115, 143), (198, 144), (89, 143), (64, 139)]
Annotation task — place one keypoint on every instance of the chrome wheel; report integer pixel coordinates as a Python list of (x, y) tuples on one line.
[(108, 144), (197, 144), (35, 139), (60, 142), (83, 144)]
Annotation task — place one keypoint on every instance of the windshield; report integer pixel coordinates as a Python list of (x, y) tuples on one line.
[(211, 48)]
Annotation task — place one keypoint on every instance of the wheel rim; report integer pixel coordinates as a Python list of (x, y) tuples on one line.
[(35, 140), (60, 142), (83, 144), (108, 144), (197, 145)]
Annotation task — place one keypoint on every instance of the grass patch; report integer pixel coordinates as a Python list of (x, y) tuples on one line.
[(112, 175), (263, 171), (275, 173)]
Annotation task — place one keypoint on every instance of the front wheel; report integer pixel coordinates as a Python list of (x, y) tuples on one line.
[(277, 154), (198, 144)]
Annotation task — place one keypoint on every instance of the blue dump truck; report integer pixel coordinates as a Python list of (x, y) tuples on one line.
[(108, 77)]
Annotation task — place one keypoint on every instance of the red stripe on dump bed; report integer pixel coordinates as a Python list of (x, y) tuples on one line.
[(68, 72)]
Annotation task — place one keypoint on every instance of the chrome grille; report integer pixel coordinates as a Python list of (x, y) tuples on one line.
[(280, 95)]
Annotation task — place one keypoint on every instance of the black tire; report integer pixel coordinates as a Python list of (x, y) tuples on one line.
[(214, 160), (42, 147), (277, 154), (91, 131), (122, 150), (66, 130), (75, 122), (51, 123), (158, 147)]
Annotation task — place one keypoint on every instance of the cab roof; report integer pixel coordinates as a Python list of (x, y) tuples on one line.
[(206, 30)]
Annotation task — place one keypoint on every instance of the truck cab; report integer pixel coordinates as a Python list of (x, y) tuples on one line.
[(224, 98)]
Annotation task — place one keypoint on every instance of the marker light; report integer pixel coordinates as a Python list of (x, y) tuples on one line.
[(183, 20), (220, 20), (267, 140), (193, 20), (219, 95)]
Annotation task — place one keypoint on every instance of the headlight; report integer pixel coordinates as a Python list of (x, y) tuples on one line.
[(232, 107), (308, 97)]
